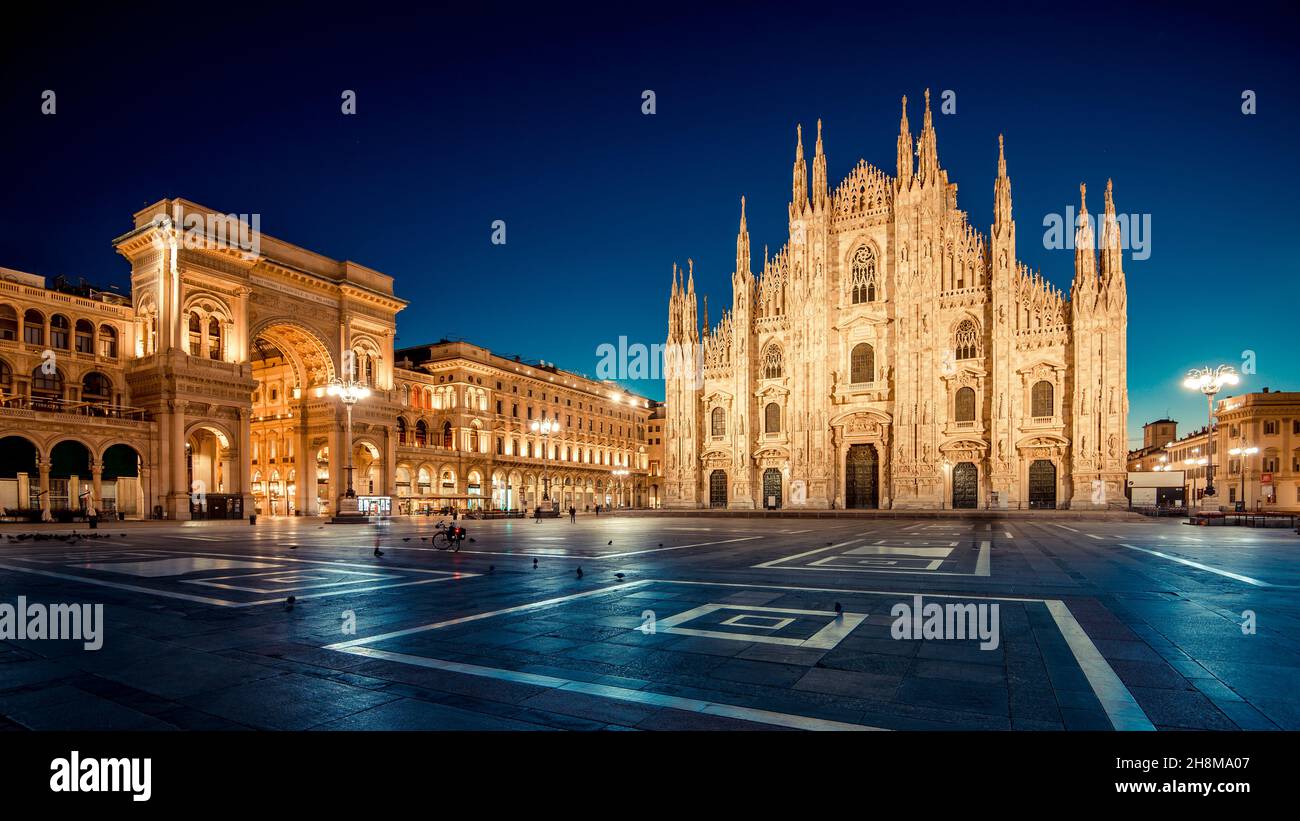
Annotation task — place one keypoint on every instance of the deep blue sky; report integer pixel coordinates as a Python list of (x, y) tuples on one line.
[(533, 117)]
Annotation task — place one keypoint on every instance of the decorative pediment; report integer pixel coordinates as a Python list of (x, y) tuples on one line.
[(964, 450), (1042, 369), (771, 390), (718, 398), (965, 376), (772, 452), (1042, 440), (863, 319)]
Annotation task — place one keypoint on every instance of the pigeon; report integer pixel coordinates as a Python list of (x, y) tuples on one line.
[(123, 535), (618, 576), (492, 568), (580, 572), (293, 547), (661, 544), (406, 538), (378, 552), (611, 541), (288, 605), (534, 564), (838, 610)]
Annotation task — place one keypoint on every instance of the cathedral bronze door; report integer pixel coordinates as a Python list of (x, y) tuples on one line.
[(861, 489), (965, 486), (1042, 485), (772, 488), (718, 488)]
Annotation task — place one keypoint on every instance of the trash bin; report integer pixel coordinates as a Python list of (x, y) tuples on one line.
[(252, 518)]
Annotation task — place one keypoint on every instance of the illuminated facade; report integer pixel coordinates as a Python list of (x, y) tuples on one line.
[(204, 393), (891, 356)]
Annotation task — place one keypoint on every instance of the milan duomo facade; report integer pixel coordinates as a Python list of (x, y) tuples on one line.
[(892, 356)]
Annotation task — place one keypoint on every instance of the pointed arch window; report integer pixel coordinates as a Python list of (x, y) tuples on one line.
[(718, 422), (967, 340), (772, 418), (772, 362), (1041, 398), (863, 286), (965, 405), (446, 435), (862, 364)]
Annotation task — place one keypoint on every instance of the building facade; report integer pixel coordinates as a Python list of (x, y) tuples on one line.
[(890, 355), (204, 393), (1264, 472)]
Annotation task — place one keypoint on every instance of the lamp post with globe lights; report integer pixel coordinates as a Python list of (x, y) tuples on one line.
[(545, 428), (349, 392), (1210, 381), (1244, 453)]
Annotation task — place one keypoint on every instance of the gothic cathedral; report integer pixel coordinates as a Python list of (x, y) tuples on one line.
[(892, 356)]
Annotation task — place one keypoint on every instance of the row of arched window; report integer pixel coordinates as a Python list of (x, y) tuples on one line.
[(96, 388), (60, 333)]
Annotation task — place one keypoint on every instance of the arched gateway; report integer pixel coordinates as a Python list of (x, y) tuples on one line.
[(237, 336)]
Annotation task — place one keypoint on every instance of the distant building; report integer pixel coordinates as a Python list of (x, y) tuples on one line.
[(1268, 479)]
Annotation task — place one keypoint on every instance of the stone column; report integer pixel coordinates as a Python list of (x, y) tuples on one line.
[(44, 467), (97, 484), (244, 484)]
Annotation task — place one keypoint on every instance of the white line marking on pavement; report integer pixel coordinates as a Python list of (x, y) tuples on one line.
[(1090, 536), (808, 553), (442, 576), (982, 563), (343, 645), (1120, 706), (1199, 566), (675, 547), (1007, 533), (1063, 527), (619, 693)]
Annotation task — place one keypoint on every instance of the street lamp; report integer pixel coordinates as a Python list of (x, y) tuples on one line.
[(1244, 452), (619, 474), (1209, 381), (1191, 463), (349, 393), (545, 427)]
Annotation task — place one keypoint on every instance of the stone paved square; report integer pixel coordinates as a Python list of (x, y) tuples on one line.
[(676, 622)]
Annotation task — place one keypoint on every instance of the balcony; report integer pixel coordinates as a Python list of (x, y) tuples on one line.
[(30, 406)]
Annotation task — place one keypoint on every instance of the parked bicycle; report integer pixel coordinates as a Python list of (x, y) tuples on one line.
[(448, 537)]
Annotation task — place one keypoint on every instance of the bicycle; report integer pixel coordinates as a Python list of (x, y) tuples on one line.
[(448, 537)]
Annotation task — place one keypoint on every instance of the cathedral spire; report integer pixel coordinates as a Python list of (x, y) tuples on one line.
[(691, 322), (819, 191), (1112, 254), (1001, 192), (905, 149), (706, 314), (1085, 260), (799, 188), (928, 148), (742, 243), (674, 310)]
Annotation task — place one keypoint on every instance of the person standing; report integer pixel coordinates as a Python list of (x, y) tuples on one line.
[(573, 514)]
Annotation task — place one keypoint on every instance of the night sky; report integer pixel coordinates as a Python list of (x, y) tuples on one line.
[(534, 117)]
